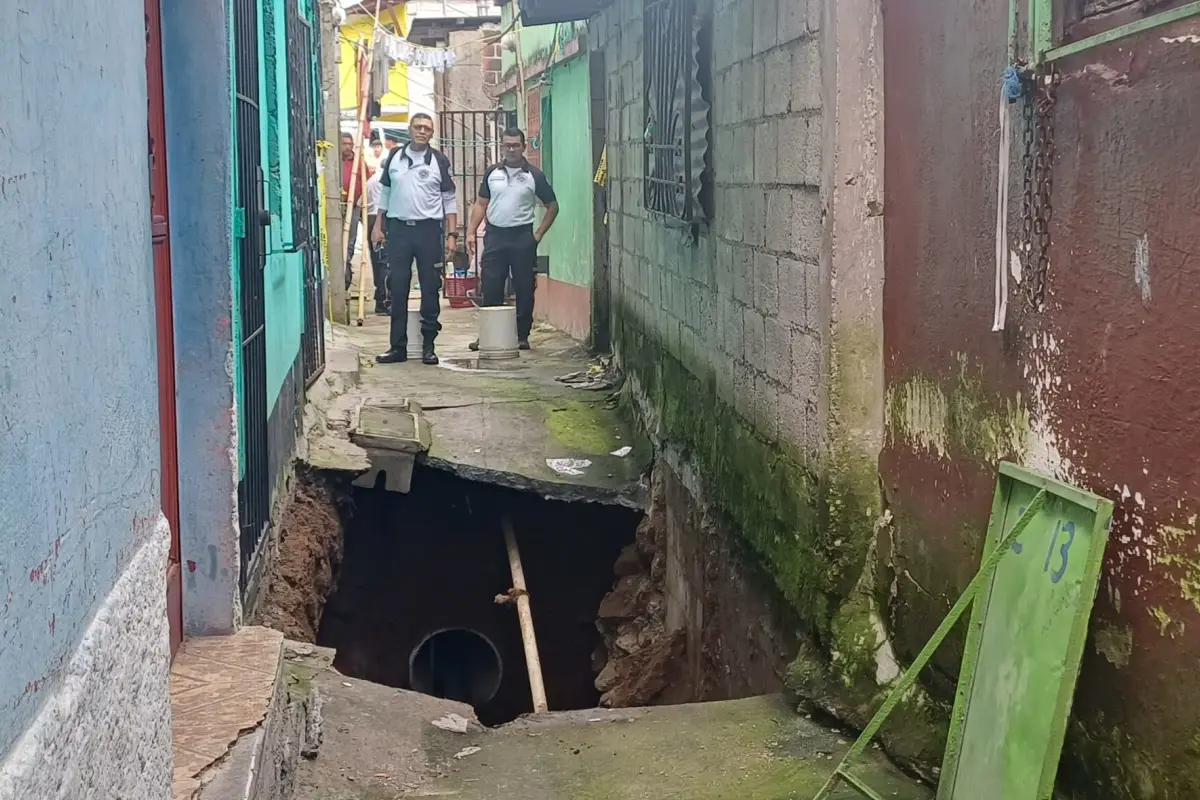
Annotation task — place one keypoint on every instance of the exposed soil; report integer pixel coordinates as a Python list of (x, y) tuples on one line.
[(687, 620), (304, 575)]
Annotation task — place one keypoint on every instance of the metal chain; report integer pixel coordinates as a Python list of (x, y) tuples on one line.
[(1027, 137), (1038, 200)]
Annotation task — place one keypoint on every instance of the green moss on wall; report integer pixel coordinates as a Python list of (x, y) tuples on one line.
[(968, 420), (810, 531), (1105, 761), (813, 530)]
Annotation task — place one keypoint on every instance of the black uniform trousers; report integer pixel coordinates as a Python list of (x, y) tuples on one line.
[(510, 251), (420, 241), (379, 266)]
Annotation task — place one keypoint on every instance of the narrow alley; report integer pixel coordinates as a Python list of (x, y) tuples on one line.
[(599, 400)]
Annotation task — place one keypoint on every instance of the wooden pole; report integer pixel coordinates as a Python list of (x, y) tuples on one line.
[(365, 259), (525, 614), (354, 169), (335, 246), (364, 82)]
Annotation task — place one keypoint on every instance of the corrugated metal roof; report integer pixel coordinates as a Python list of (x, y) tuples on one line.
[(542, 12)]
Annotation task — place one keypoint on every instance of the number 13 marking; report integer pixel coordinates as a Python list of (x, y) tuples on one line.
[(1067, 527)]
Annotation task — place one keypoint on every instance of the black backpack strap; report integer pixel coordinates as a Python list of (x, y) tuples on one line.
[(386, 178)]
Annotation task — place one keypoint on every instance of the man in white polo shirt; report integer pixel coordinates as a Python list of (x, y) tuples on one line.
[(416, 199), (508, 196)]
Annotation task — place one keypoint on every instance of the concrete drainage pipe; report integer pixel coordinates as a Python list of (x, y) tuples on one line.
[(456, 664)]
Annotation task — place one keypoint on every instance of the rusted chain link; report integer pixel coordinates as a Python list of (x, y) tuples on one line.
[(1037, 209)]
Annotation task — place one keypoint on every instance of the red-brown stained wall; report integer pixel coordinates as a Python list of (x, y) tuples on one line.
[(1118, 366)]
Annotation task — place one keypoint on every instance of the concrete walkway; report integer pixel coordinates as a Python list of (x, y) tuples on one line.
[(383, 743), (512, 424)]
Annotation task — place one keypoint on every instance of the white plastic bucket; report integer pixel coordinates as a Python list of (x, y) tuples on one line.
[(498, 333), (414, 333)]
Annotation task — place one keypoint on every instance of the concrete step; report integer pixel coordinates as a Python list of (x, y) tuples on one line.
[(237, 730)]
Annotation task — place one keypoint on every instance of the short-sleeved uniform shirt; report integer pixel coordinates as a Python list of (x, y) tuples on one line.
[(513, 194), (417, 185)]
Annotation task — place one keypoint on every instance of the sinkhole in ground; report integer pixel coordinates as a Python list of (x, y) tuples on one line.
[(415, 604)]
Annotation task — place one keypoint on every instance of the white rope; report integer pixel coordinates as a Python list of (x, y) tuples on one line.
[(1001, 301)]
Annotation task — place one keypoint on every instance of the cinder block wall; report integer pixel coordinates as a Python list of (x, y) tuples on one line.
[(753, 347), (742, 303)]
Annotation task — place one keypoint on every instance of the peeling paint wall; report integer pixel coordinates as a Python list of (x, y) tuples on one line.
[(1098, 388), (79, 442), (111, 707), (198, 81)]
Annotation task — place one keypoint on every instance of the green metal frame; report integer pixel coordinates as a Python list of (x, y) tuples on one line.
[(1040, 30), (901, 687), (979, 592), (1101, 510), (1106, 37)]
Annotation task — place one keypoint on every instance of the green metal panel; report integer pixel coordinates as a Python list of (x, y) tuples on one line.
[(1025, 642), (567, 160), (1153, 21), (899, 690), (1041, 27)]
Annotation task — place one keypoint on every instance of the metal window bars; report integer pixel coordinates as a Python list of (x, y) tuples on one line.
[(676, 132), (254, 490)]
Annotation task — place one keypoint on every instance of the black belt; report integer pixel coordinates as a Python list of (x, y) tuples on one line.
[(412, 223)]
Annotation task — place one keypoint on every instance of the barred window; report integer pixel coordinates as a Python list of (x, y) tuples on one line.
[(677, 87)]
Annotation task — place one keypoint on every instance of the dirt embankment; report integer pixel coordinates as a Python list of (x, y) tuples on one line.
[(688, 619), (311, 545)]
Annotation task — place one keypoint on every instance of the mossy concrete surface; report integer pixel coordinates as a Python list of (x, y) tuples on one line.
[(756, 749), (506, 422), (381, 742)]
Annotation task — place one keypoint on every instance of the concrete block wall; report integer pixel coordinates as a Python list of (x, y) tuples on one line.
[(742, 301)]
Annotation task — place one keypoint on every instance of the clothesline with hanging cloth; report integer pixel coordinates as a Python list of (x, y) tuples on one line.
[(405, 52)]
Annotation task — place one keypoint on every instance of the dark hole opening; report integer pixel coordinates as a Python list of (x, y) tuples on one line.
[(457, 664), (415, 604)]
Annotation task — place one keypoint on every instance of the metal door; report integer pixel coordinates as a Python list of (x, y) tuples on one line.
[(601, 282), (471, 140), (301, 56), (254, 491), (163, 314)]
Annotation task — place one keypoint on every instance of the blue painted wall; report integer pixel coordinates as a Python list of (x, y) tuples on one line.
[(197, 58), (79, 442)]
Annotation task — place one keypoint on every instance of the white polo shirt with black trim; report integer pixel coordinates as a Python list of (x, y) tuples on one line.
[(417, 185), (513, 194)]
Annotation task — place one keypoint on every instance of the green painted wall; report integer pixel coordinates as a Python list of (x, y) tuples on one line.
[(568, 139), (284, 278), (537, 41)]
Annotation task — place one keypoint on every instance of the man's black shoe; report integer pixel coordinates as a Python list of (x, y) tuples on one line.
[(522, 344), (474, 346), (381, 307), (397, 355), (428, 356)]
